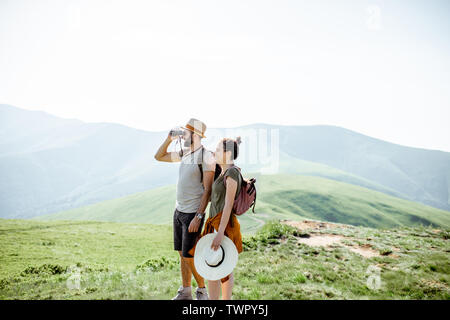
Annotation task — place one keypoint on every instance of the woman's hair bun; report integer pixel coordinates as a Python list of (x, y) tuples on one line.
[(238, 140)]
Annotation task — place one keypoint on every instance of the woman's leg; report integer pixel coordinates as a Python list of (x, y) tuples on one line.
[(214, 289), (227, 287)]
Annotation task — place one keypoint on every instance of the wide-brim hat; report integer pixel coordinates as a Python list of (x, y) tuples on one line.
[(215, 264), (196, 126)]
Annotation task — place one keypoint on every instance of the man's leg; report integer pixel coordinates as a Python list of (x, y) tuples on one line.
[(186, 274), (184, 292), (189, 241)]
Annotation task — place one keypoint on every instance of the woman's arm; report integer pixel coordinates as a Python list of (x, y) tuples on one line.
[(231, 187)]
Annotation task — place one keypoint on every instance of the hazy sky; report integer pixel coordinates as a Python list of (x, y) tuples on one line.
[(377, 67)]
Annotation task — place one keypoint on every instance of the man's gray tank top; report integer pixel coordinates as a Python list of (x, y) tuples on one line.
[(189, 187)]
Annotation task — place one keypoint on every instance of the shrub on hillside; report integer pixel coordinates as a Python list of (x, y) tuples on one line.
[(50, 269), (156, 264), (270, 233)]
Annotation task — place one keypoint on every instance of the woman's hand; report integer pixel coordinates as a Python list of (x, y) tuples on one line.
[(217, 240)]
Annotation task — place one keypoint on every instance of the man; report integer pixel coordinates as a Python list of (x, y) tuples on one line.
[(193, 196)]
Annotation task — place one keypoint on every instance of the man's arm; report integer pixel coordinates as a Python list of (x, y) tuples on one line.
[(163, 155), (208, 178), (209, 167)]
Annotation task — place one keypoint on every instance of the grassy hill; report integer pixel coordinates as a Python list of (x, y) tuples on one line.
[(280, 196), (291, 165), (328, 200), (104, 260), (153, 206)]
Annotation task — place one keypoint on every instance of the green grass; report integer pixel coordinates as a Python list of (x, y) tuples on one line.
[(42, 260), (280, 196), (97, 244)]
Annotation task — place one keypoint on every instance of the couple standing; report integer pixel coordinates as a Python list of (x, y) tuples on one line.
[(197, 185)]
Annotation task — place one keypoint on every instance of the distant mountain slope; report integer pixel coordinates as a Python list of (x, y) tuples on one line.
[(422, 175), (292, 165), (49, 164), (279, 197), (49, 167)]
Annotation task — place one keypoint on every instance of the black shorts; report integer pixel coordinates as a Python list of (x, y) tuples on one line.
[(183, 240)]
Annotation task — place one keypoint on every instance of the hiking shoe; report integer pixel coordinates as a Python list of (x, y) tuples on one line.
[(183, 294), (201, 294)]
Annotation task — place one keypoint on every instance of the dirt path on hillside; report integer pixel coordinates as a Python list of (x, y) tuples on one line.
[(312, 224), (261, 222), (329, 240), (256, 217)]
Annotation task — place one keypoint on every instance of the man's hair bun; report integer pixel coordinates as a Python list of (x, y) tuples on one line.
[(238, 140)]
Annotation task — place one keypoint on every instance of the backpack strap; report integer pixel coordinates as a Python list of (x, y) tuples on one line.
[(243, 182), (181, 152), (200, 167)]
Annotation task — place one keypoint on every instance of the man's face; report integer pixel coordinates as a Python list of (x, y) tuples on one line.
[(187, 138)]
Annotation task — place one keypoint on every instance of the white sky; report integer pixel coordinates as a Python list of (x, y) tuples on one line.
[(381, 68)]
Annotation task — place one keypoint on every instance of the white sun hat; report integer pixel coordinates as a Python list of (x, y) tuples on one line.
[(215, 264)]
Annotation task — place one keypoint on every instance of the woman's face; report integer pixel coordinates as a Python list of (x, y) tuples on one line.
[(221, 157)]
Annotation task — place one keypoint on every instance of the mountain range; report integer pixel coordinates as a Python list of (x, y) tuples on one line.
[(50, 164)]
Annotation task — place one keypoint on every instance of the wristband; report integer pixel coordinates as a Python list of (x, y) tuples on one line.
[(199, 216)]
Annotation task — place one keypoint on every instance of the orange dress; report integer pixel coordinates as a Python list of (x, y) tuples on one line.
[(232, 231)]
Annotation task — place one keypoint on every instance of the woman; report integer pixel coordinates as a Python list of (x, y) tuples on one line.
[(220, 218)]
